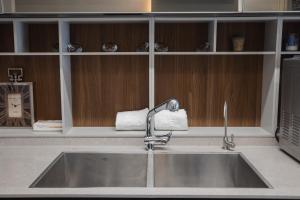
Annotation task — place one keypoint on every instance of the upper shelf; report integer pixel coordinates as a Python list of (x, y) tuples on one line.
[(185, 36), (129, 37), (182, 36), (258, 36), (36, 37)]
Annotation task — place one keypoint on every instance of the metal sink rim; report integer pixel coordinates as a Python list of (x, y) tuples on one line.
[(259, 174)]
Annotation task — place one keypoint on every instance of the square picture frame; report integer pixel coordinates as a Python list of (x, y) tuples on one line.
[(16, 105)]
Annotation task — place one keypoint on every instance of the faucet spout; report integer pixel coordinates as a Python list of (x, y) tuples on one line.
[(151, 140), (228, 143)]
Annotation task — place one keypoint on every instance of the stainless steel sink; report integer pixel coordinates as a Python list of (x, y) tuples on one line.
[(206, 170), (73, 170)]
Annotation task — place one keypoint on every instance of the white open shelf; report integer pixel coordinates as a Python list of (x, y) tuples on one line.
[(88, 132), (271, 73), (30, 54), (106, 54), (218, 53), (290, 53)]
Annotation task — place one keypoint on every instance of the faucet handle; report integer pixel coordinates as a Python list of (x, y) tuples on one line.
[(232, 140), (168, 136)]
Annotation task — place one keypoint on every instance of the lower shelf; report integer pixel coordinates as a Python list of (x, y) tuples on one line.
[(88, 132)]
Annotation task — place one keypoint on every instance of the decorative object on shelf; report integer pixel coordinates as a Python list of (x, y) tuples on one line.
[(238, 43), (143, 48), (110, 47), (292, 42), (203, 47), (15, 74), (48, 125), (16, 101), (75, 47), (161, 47)]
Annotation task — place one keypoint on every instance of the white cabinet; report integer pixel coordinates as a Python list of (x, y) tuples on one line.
[(265, 5), (72, 6), (7, 6)]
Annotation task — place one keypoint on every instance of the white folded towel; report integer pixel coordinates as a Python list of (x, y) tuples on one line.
[(47, 125), (175, 121), (131, 120)]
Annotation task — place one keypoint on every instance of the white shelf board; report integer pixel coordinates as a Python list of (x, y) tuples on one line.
[(192, 132), (27, 132), (7, 53), (105, 53), (29, 54), (94, 132), (186, 53), (290, 52), (246, 53), (218, 53)]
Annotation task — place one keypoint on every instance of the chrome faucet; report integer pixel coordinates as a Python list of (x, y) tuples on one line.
[(150, 139), (228, 143)]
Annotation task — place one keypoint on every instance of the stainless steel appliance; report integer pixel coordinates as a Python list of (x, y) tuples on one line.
[(289, 132)]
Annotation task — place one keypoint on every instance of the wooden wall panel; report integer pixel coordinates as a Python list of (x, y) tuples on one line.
[(6, 37), (182, 36), (128, 36), (43, 71), (254, 33), (203, 83), (105, 85), (42, 37)]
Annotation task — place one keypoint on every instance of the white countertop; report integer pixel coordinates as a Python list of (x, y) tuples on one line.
[(21, 165)]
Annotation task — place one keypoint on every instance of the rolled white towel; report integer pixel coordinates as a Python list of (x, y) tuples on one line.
[(167, 120), (131, 120), (47, 125)]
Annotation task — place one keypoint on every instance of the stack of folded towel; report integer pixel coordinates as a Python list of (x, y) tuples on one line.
[(47, 125), (164, 120), (131, 120)]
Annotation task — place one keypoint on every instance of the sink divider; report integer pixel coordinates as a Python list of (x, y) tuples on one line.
[(150, 169)]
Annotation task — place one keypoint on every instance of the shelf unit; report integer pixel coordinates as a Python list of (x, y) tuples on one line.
[(94, 85)]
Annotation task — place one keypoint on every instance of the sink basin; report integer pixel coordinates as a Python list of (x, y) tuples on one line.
[(205, 170), (75, 170)]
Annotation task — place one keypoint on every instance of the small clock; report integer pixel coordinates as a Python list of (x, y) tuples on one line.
[(16, 105)]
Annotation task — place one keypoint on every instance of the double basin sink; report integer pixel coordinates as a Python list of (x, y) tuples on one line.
[(81, 170)]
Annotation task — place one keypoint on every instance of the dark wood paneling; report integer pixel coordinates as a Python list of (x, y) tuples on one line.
[(105, 85), (6, 37), (42, 37), (289, 27), (127, 36), (43, 71), (254, 33), (182, 36), (203, 83)]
